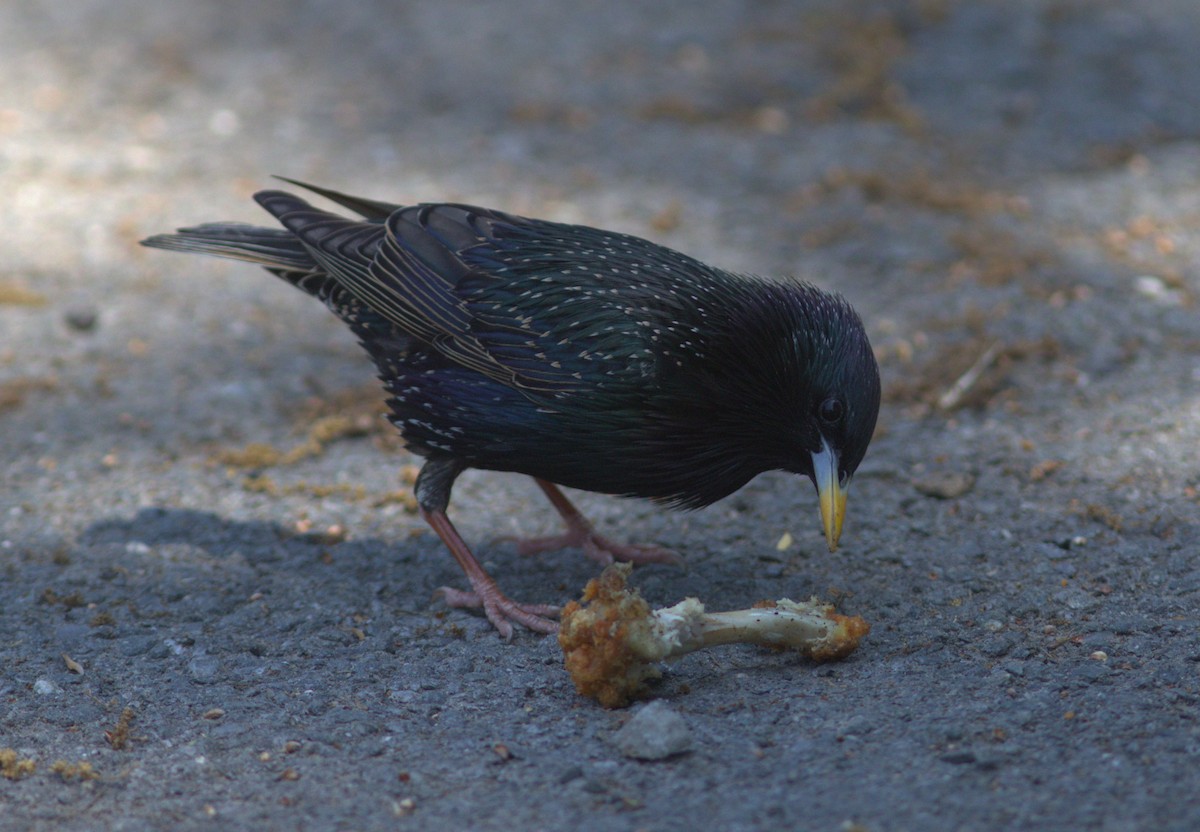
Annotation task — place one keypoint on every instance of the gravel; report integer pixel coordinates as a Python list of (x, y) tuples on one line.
[(1006, 191)]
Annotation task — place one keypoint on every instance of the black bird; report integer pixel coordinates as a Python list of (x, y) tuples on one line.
[(580, 357)]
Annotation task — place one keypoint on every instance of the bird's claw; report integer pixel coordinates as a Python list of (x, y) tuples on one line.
[(501, 610)]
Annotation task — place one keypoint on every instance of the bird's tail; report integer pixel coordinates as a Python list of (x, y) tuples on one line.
[(283, 254), (274, 248)]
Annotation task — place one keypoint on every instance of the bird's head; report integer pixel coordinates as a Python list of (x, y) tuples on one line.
[(783, 378), (840, 405), (835, 389), (845, 419)]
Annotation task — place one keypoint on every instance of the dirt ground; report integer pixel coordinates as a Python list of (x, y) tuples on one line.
[(217, 609)]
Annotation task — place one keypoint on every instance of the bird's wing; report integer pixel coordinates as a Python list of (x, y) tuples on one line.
[(342, 248), (374, 266), (396, 269), (510, 308), (583, 308), (544, 307)]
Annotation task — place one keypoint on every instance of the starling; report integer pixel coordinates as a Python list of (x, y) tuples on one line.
[(581, 357)]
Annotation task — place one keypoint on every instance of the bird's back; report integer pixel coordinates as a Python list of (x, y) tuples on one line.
[(585, 357)]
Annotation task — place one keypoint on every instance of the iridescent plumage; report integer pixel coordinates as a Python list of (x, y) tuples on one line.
[(581, 357)]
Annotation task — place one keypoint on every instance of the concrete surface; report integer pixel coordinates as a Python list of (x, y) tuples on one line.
[(215, 595)]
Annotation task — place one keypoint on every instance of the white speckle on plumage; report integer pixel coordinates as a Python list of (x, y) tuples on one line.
[(444, 337)]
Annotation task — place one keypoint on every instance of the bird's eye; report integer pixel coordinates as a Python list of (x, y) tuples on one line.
[(831, 410)]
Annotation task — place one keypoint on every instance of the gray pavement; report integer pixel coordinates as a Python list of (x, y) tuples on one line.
[(214, 592)]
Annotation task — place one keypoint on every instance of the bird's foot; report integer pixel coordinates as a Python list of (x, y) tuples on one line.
[(502, 610), (595, 546), (580, 534)]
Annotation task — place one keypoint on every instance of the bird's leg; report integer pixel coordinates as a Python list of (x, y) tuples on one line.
[(433, 495), (498, 607), (580, 533)]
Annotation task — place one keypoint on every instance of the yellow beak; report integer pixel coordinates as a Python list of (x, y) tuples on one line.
[(831, 493)]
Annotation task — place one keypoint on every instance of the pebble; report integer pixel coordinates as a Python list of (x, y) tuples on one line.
[(654, 733), (136, 645), (997, 646), (1091, 671), (81, 318), (855, 726), (570, 773), (1156, 289), (945, 486), (203, 669), (44, 687)]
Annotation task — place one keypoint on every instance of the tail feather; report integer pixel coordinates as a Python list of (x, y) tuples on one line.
[(270, 247), (310, 252), (369, 209)]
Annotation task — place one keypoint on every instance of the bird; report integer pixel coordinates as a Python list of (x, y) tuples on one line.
[(583, 358)]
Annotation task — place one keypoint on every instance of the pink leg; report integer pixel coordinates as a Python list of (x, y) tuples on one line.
[(499, 608), (580, 534)]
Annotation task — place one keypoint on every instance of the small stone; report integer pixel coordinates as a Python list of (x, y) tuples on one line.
[(1156, 289), (855, 726), (593, 786), (654, 733), (1014, 668), (44, 687), (1093, 671), (81, 318), (945, 486), (203, 669), (136, 645), (997, 646)]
